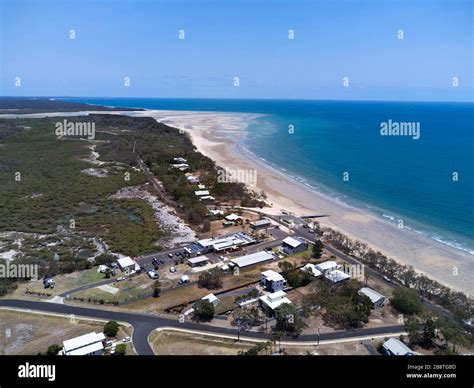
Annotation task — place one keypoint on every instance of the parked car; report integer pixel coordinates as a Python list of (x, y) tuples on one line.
[(121, 278), (126, 339), (170, 255), (155, 261), (172, 269), (387, 279), (109, 343), (153, 274), (112, 273)]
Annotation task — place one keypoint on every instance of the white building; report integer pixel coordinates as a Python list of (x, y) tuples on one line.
[(179, 160), (201, 193), (260, 224), (395, 347), (126, 264), (254, 258), (233, 217), (272, 281), (184, 279), (312, 269), (193, 180), (377, 299), (294, 245), (327, 266), (270, 302), (87, 344), (212, 299), (198, 261), (336, 276)]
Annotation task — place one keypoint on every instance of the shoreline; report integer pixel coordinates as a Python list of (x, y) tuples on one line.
[(446, 264), (218, 135)]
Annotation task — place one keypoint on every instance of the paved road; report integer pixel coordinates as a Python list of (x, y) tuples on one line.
[(144, 324)]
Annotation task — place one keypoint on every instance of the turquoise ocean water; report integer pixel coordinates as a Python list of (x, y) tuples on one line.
[(392, 176)]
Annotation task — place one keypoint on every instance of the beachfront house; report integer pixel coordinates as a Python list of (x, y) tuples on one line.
[(272, 281), (293, 245), (327, 266), (270, 302), (312, 269), (91, 344), (377, 299), (336, 276)]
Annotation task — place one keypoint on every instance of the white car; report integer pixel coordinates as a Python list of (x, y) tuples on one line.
[(153, 274), (172, 269), (387, 279), (126, 339)]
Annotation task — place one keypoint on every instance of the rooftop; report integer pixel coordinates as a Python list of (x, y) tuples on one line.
[(336, 276), (125, 262), (275, 300), (372, 294), (292, 242), (312, 268), (272, 276), (84, 344), (253, 258), (397, 347)]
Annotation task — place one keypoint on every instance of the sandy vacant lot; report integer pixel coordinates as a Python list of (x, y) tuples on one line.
[(168, 342)]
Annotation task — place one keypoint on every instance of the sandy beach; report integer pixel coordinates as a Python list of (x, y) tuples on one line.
[(218, 136)]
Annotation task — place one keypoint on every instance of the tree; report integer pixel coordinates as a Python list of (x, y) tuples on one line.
[(53, 350), (276, 336), (156, 289), (406, 301), (120, 349), (288, 319), (211, 279), (111, 329), (107, 273), (318, 247), (247, 317), (203, 310), (453, 333)]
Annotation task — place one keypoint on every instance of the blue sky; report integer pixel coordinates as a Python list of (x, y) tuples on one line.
[(246, 39)]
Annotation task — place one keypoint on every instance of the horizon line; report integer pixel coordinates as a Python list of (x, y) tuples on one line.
[(243, 98)]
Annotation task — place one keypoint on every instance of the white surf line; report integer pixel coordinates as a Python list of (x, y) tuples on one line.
[(286, 343)]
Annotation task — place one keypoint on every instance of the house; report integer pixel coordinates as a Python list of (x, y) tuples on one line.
[(198, 261), (327, 266), (180, 166), (201, 187), (272, 281), (377, 299), (193, 180), (293, 245), (336, 276), (87, 344), (126, 264), (212, 299), (312, 269), (254, 258), (216, 212), (207, 198), (201, 193), (270, 302), (179, 160), (260, 224), (395, 347), (233, 217)]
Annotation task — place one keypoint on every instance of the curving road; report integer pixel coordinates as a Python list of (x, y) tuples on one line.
[(144, 324)]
